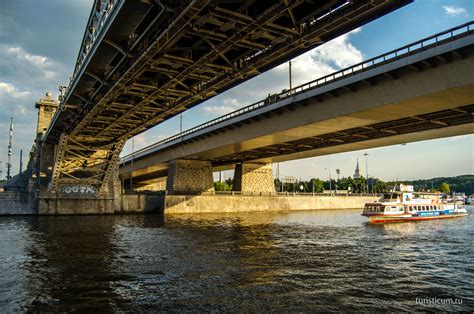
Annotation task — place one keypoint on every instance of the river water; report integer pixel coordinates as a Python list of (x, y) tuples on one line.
[(298, 261)]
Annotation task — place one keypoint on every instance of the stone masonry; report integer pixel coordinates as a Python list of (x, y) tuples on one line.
[(15, 203), (250, 177), (189, 177)]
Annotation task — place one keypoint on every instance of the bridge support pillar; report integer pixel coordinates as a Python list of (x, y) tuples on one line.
[(187, 176), (250, 177)]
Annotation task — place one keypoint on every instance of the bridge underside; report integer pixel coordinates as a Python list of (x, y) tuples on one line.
[(430, 99), (461, 122), (154, 59)]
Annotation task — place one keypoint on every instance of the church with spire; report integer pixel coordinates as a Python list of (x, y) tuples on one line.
[(357, 170)]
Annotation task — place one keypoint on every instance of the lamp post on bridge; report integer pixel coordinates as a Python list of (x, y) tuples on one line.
[(330, 184), (289, 74)]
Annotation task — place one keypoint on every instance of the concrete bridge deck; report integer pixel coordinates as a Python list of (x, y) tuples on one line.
[(422, 91)]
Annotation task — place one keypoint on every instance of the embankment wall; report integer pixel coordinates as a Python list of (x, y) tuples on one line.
[(177, 204), (15, 203)]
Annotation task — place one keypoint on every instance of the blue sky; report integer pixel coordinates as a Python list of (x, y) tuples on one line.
[(39, 45)]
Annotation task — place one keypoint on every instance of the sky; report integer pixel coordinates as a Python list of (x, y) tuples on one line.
[(40, 40)]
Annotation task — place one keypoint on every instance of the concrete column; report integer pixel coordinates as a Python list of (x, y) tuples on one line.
[(187, 176), (250, 177)]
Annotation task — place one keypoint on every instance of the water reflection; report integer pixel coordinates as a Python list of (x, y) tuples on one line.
[(320, 260), (71, 261)]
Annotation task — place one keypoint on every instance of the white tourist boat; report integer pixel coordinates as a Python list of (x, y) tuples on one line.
[(407, 205)]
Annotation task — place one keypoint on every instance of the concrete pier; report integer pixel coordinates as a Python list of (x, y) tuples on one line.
[(252, 177), (189, 177)]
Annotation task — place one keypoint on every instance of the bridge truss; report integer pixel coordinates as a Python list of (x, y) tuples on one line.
[(143, 62)]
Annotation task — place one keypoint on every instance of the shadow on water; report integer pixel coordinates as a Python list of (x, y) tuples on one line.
[(298, 261)]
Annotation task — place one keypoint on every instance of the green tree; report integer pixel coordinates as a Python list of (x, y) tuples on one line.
[(222, 186), (316, 185), (358, 185), (444, 187), (381, 186)]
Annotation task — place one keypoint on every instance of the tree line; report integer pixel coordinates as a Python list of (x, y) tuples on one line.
[(464, 183)]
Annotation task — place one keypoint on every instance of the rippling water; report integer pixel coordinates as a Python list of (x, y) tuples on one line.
[(298, 261)]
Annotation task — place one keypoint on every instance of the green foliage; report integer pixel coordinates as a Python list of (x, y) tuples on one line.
[(463, 183), (223, 186), (316, 185), (444, 187), (381, 187)]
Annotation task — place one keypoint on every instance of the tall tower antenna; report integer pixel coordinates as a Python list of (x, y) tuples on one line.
[(21, 161), (9, 161)]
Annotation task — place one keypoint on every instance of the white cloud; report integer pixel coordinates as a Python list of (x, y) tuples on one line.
[(229, 105), (330, 57), (453, 10), (21, 54), (340, 51), (16, 62), (13, 98), (10, 91)]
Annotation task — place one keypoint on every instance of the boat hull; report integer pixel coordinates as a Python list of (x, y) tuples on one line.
[(388, 219)]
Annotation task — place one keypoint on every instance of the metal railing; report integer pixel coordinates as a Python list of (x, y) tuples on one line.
[(391, 56), (250, 193), (100, 12)]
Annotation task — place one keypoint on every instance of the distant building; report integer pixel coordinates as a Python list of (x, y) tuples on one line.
[(357, 170)]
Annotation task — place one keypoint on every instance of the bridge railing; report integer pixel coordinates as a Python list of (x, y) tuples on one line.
[(391, 56), (100, 12), (250, 193)]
